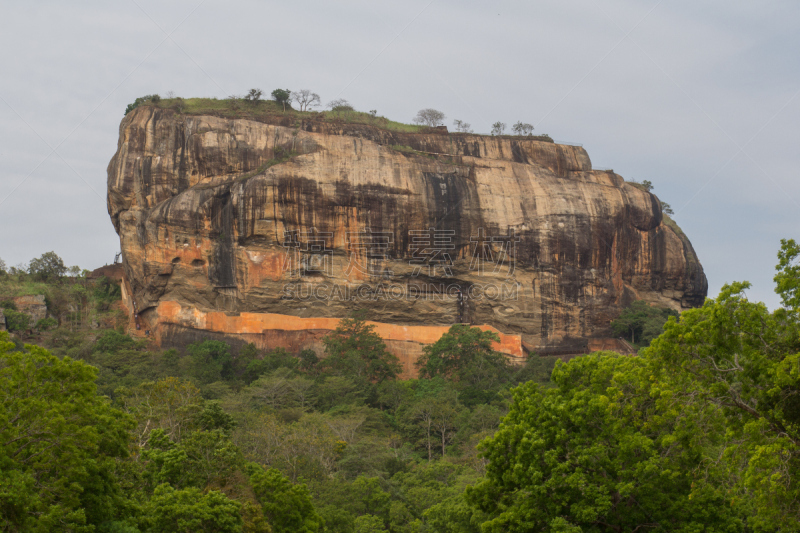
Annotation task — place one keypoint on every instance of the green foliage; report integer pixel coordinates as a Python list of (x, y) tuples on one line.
[(211, 361), (190, 511), (44, 324), (287, 507), (254, 95), (369, 524), (464, 354), (282, 97), (106, 292), (788, 276), (642, 322), (202, 459), (354, 349), (17, 321), (47, 267), (744, 359), (111, 341), (610, 448), (58, 443), (142, 100), (697, 433)]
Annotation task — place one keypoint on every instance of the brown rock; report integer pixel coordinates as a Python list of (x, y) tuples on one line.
[(34, 306), (213, 216)]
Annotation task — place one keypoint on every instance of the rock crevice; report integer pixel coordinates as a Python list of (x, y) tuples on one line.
[(240, 216)]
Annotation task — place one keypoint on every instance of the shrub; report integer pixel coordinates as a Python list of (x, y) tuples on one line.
[(146, 99), (106, 292), (17, 321), (254, 95), (46, 323)]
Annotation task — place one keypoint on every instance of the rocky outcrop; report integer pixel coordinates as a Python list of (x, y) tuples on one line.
[(316, 219), (35, 306)]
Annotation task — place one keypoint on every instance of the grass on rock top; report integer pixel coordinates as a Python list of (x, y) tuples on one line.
[(270, 109), (239, 108)]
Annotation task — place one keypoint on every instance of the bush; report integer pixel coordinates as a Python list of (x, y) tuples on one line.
[(146, 99), (46, 323), (112, 342), (106, 292), (16, 321)]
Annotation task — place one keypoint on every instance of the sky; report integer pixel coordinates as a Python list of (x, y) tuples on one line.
[(702, 98)]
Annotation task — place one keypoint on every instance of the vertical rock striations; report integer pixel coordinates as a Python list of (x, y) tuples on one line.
[(316, 219)]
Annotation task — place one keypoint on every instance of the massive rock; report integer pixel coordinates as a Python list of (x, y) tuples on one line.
[(242, 218)]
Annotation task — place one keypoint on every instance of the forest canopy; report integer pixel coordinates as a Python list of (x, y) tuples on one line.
[(698, 432)]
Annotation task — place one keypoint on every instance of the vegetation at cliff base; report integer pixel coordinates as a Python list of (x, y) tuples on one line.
[(641, 322), (699, 432)]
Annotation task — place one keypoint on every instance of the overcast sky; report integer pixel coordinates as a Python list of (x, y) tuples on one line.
[(699, 97)]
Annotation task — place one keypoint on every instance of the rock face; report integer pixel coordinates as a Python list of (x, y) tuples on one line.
[(34, 306), (316, 219)]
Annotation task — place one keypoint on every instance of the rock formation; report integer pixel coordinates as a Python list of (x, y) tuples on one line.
[(312, 219)]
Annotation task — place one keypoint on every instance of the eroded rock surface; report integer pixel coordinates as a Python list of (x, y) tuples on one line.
[(317, 219)]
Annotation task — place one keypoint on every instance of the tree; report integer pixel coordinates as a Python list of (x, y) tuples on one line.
[(521, 128), (642, 321), (429, 117), (305, 99), (170, 404), (462, 127), (498, 128), (190, 511), (203, 459), (744, 360), (48, 267), (435, 413), (2, 267), (648, 185), (59, 443), (211, 361), (287, 507), (788, 277), (464, 354), (611, 448), (666, 208), (254, 95), (282, 97), (354, 349), (369, 524)]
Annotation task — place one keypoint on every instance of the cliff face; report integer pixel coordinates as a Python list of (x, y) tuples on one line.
[(314, 220)]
